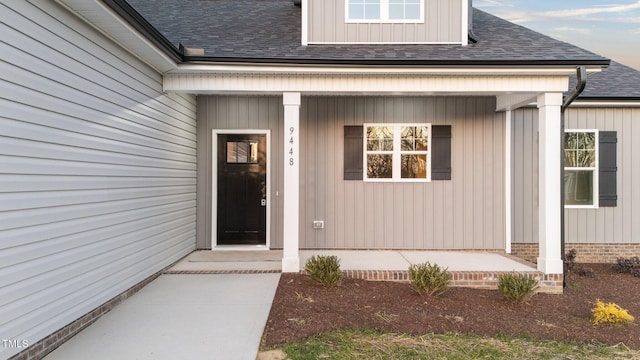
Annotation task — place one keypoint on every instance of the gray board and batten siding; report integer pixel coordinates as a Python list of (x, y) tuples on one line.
[(97, 170), (442, 24), (234, 113), (606, 224), (466, 212)]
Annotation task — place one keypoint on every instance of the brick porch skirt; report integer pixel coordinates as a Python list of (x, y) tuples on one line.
[(585, 253), (550, 284)]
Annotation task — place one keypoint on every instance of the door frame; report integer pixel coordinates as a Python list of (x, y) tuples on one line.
[(214, 189)]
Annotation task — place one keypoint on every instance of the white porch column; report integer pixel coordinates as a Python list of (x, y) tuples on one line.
[(549, 142), (291, 139)]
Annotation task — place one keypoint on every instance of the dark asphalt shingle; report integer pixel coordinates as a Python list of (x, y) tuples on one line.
[(270, 29), (614, 82)]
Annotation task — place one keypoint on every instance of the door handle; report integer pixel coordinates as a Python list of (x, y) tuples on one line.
[(263, 202)]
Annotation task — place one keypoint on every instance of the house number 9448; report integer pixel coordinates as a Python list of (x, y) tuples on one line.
[(291, 153)]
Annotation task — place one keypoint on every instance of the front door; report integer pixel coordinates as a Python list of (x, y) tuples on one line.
[(242, 189)]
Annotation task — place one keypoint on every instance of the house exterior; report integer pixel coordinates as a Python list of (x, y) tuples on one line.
[(598, 232), (135, 132)]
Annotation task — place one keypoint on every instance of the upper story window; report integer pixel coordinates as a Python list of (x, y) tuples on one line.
[(385, 10), (397, 152), (580, 168)]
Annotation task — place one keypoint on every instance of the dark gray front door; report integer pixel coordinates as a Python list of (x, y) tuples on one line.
[(242, 189)]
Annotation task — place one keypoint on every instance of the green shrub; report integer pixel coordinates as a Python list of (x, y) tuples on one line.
[(429, 279), (611, 314), (516, 288), (324, 270)]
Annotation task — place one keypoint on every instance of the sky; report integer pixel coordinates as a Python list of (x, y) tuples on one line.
[(608, 28)]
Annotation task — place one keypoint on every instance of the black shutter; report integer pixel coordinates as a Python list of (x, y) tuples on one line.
[(607, 168), (353, 152), (441, 152)]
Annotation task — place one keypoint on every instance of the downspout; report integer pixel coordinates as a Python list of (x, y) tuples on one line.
[(581, 83)]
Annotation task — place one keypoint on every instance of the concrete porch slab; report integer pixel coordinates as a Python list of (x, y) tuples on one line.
[(401, 260)]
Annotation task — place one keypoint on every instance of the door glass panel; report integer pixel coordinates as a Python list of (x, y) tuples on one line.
[(242, 152)]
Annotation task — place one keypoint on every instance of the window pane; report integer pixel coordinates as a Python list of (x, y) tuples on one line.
[(379, 138), (578, 187), (414, 166), (408, 138), (232, 156), (580, 149), (242, 152), (364, 9), (586, 158), (414, 138), (379, 166), (570, 158), (372, 12), (396, 11), (587, 140), (404, 9), (571, 140), (356, 12), (412, 12)]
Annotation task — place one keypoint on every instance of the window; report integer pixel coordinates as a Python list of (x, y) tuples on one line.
[(385, 10), (397, 152), (580, 168), (242, 152)]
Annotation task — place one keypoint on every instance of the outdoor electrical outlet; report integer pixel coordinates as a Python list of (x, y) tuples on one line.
[(318, 224)]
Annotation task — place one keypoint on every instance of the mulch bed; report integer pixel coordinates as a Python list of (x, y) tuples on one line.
[(302, 309)]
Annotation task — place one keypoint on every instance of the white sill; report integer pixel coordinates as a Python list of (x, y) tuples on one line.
[(592, 207), (372, 21), (397, 180)]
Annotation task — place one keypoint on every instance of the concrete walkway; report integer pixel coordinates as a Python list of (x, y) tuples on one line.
[(213, 316)]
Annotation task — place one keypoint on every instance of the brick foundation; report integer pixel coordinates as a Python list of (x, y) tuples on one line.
[(585, 253), (551, 284)]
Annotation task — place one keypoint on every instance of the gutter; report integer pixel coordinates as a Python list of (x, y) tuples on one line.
[(581, 73), (189, 59)]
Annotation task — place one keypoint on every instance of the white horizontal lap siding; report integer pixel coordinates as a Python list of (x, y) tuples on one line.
[(466, 212), (97, 170), (596, 226)]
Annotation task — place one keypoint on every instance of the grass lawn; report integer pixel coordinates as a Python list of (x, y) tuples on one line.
[(366, 344)]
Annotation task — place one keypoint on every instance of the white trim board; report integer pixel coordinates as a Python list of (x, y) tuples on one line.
[(214, 185)]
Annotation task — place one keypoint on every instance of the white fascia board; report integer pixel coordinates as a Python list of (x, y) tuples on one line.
[(105, 20)]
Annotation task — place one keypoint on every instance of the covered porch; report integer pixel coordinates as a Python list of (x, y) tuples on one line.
[(287, 227)]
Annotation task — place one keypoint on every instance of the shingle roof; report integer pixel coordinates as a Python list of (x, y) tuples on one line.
[(617, 81), (269, 30)]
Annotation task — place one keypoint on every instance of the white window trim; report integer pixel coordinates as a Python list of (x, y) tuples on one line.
[(384, 15), (596, 169), (396, 154)]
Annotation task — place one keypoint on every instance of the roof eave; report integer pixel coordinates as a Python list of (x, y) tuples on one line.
[(140, 24)]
